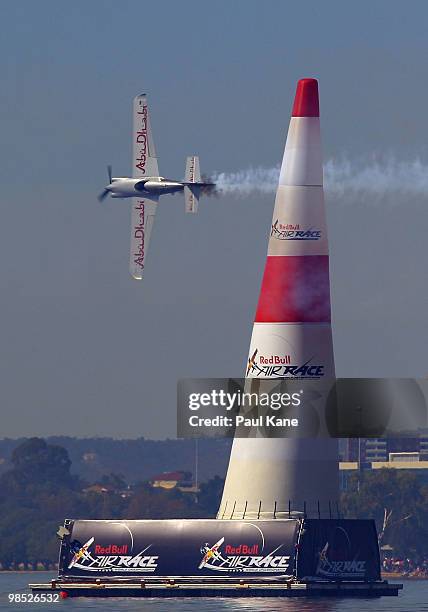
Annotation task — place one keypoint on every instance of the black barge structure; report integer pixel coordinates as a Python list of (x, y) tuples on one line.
[(295, 557)]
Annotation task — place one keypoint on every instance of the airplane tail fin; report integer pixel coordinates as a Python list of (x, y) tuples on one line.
[(192, 190), (193, 173)]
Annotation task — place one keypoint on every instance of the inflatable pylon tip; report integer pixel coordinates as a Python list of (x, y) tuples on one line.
[(306, 103)]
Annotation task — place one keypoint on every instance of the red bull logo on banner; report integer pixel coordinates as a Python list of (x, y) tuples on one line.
[(335, 558), (242, 558), (112, 559)]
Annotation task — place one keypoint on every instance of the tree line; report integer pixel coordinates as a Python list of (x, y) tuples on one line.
[(40, 491)]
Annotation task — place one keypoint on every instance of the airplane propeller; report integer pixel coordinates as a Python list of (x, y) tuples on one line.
[(105, 192), (103, 195)]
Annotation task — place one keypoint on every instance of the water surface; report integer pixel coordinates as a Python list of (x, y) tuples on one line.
[(414, 597)]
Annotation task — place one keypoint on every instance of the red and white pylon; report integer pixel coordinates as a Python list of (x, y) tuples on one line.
[(291, 335)]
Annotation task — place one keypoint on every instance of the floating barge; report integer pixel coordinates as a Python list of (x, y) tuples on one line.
[(178, 587), (295, 557)]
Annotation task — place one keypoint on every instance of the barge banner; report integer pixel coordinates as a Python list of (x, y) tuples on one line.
[(140, 549), (178, 548), (346, 549)]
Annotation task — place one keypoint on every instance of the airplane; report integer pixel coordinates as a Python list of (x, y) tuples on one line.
[(211, 552), (146, 186)]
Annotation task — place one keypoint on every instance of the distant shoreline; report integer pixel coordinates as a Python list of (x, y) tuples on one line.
[(25, 571), (398, 576)]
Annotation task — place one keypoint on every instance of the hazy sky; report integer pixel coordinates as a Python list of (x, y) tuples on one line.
[(87, 351)]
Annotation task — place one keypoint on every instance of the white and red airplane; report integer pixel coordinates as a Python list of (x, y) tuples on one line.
[(146, 186)]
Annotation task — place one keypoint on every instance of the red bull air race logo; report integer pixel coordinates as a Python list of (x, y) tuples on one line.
[(281, 366), (335, 558), (111, 558), (288, 231), (242, 558)]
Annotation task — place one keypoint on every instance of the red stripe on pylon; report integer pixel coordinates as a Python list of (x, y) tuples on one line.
[(295, 289)]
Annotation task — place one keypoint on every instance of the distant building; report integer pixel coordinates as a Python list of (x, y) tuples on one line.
[(99, 489), (103, 488), (368, 450), (89, 457), (174, 480), (413, 462)]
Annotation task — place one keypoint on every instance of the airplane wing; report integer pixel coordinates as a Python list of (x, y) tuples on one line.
[(142, 218), (144, 164), (144, 160)]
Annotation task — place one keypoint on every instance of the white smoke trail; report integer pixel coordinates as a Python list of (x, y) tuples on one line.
[(376, 178), (244, 182)]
